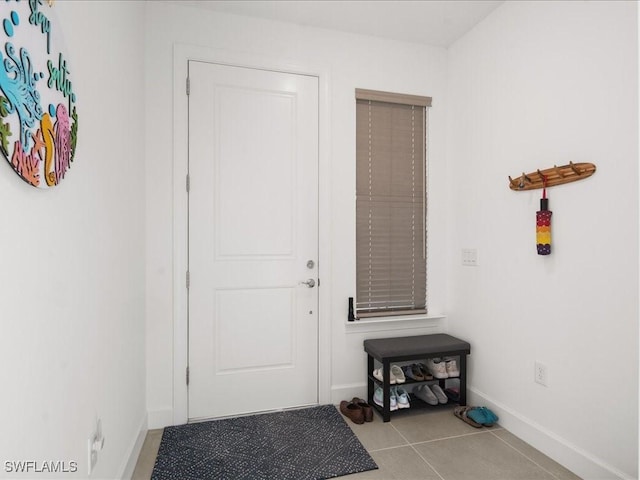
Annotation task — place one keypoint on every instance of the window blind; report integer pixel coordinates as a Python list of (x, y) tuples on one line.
[(390, 204)]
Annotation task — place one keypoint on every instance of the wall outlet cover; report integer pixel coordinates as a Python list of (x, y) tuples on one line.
[(541, 374)]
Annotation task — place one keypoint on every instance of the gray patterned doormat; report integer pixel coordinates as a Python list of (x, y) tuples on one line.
[(309, 444)]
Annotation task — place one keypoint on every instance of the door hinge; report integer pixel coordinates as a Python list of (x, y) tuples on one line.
[(188, 279), (187, 375), (188, 183), (188, 86)]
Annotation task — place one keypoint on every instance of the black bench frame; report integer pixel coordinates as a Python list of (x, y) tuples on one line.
[(404, 349)]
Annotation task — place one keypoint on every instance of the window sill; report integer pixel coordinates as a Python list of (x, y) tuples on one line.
[(389, 323)]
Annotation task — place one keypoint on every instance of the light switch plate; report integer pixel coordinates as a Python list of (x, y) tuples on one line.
[(470, 257)]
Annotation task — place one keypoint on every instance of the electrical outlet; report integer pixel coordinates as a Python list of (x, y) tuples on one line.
[(470, 257), (541, 374), (94, 445)]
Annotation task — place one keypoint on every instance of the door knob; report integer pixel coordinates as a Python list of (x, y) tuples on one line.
[(309, 283)]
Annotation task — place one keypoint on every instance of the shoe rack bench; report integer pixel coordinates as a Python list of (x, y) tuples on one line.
[(388, 351)]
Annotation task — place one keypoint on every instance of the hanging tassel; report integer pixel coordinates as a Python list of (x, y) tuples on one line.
[(543, 223)]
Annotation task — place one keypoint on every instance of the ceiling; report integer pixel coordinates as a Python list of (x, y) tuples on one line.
[(433, 22)]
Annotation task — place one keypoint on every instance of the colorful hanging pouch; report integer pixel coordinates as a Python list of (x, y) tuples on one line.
[(543, 224)]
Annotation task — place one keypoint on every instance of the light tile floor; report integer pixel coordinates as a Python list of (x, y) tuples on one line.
[(429, 445)]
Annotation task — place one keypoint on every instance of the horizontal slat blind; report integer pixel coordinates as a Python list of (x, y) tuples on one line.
[(397, 98), (390, 208)]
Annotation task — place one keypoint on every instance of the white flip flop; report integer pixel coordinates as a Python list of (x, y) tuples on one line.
[(377, 374)]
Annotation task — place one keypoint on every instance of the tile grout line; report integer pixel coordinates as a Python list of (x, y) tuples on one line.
[(388, 448), (526, 456), (452, 437), (419, 454), (427, 441)]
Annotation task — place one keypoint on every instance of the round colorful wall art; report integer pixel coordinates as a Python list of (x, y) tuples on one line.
[(38, 117)]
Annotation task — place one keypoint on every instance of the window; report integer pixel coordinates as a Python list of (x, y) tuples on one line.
[(391, 274)]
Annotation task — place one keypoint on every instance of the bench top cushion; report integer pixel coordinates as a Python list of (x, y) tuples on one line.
[(419, 345)]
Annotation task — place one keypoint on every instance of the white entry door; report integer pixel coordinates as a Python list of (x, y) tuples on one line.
[(253, 240)]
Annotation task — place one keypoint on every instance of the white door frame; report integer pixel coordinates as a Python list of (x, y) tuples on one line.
[(181, 55)]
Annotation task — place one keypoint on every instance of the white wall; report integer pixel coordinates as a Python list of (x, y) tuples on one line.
[(537, 84), (349, 61), (71, 264)]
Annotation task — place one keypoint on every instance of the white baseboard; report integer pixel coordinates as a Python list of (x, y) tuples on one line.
[(126, 471), (347, 392), (160, 418), (580, 462)]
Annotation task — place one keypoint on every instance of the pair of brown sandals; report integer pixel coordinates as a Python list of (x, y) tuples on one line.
[(357, 410)]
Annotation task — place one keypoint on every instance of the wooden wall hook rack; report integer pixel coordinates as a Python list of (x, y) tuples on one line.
[(554, 176)]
